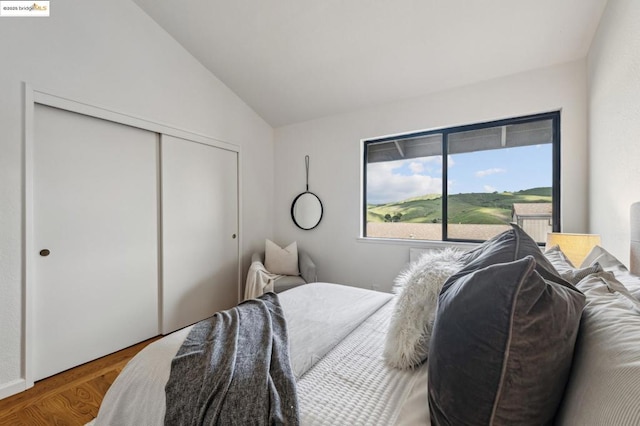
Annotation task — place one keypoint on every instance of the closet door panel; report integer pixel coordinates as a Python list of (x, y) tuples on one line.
[(199, 231), (95, 209)]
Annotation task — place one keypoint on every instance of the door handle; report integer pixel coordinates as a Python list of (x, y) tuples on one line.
[(45, 252)]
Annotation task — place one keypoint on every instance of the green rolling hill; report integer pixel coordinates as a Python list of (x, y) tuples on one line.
[(479, 208)]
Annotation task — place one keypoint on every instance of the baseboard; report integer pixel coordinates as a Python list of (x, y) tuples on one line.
[(12, 388)]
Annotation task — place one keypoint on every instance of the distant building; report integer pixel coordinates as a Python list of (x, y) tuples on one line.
[(534, 218)]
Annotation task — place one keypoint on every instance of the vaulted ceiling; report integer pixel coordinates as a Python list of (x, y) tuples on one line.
[(296, 60)]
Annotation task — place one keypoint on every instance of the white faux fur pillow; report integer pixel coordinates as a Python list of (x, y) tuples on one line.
[(281, 261), (418, 287)]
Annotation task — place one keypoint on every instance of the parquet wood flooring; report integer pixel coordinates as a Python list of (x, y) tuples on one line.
[(71, 398)]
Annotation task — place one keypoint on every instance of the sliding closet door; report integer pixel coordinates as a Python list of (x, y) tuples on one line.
[(95, 238), (199, 231)]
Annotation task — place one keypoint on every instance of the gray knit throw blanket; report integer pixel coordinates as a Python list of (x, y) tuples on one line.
[(234, 369)]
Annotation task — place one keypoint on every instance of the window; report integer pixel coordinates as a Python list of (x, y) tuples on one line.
[(465, 183)]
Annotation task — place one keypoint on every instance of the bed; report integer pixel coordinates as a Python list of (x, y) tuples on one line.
[(563, 348)]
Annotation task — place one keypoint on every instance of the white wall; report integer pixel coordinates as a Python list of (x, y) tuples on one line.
[(111, 54), (614, 124), (334, 146)]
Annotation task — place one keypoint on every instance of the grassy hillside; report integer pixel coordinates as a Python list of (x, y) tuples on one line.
[(482, 208)]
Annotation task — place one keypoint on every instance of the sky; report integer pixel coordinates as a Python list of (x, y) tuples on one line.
[(510, 169)]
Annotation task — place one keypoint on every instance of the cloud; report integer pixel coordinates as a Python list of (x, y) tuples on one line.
[(489, 188), (438, 160), (488, 172), (416, 167), (386, 182)]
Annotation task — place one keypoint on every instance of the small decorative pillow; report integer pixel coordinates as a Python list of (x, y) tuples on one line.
[(611, 264), (574, 276), (281, 261), (407, 342), (566, 269)]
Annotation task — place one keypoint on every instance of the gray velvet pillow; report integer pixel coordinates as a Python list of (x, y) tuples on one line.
[(502, 342), (506, 247)]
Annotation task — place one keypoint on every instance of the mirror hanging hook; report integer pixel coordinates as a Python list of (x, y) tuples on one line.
[(306, 163)]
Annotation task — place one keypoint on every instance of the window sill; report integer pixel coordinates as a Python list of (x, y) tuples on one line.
[(417, 243)]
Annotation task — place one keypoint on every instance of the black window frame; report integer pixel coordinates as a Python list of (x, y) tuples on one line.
[(554, 116)]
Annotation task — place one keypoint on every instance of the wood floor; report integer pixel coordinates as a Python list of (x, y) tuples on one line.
[(70, 398)]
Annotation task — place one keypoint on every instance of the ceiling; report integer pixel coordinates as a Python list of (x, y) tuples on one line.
[(296, 60)]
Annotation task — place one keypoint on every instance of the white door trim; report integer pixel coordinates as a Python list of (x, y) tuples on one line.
[(34, 96)]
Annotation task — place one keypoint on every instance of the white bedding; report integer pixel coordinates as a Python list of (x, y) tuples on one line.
[(319, 317), (353, 385)]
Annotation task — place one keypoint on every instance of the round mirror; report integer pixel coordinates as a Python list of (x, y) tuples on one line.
[(306, 210)]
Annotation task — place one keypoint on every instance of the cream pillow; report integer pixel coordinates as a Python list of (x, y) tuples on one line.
[(281, 261)]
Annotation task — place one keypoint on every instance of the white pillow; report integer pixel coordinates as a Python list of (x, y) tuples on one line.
[(605, 259), (604, 386), (281, 261), (418, 287), (558, 259)]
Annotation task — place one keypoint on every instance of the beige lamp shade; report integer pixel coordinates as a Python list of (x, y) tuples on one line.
[(575, 246)]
